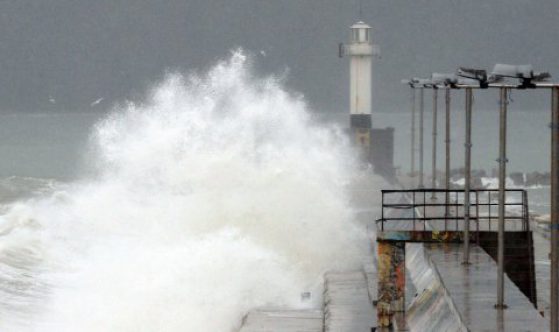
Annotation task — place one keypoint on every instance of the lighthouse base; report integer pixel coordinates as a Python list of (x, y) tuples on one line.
[(376, 145)]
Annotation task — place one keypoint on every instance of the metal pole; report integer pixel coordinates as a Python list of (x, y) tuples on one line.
[(502, 177), (434, 160), (421, 107), (447, 148), (554, 301), (412, 168), (447, 140), (467, 175)]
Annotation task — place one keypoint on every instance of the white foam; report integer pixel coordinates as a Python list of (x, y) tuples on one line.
[(215, 196)]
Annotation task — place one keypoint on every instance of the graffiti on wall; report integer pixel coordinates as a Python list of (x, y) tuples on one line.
[(391, 280)]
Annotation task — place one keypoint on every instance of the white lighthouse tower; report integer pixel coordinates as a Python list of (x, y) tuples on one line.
[(360, 51), (376, 144)]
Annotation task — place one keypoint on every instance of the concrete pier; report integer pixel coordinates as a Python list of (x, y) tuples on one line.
[(453, 296), (441, 294), (347, 307), (472, 289), (347, 302), (445, 296), (283, 321)]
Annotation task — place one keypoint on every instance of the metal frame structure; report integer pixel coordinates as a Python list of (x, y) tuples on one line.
[(447, 143), (502, 198), (554, 301), (421, 111), (434, 143), (496, 81), (467, 174), (412, 168), (527, 80), (422, 210), (422, 84)]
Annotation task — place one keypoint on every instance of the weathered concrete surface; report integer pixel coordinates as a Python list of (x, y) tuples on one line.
[(543, 268), (473, 291), (347, 305), (347, 298), (391, 280), (543, 265), (432, 309), (466, 299), (283, 321)]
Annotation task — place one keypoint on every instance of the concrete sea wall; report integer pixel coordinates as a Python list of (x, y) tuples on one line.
[(432, 309)]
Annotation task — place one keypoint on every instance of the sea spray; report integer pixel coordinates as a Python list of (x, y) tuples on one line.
[(216, 195)]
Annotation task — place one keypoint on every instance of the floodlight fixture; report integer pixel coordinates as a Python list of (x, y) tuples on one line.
[(525, 73), (425, 83), (514, 71), (408, 82), (444, 79), (543, 76), (453, 81), (479, 75), (466, 82)]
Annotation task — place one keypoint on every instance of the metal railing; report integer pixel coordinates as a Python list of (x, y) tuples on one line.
[(443, 210)]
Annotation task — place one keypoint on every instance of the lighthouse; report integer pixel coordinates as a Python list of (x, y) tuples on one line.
[(375, 144), (360, 51)]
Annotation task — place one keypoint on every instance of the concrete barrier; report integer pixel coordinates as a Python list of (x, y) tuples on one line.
[(432, 309)]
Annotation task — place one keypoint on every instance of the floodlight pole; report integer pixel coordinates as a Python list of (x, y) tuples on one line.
[(447, 150), (467, 175), (502, 184), (421, 109), (554, 301), (412, 168), (434, 152)]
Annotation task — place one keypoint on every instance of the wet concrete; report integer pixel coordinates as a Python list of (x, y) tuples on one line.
[(473, 289), (430, 306), (283, 321), (468, 295), (543, 269), (347, 305)]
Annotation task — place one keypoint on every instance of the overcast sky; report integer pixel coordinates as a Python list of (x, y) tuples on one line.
[(76, 51)]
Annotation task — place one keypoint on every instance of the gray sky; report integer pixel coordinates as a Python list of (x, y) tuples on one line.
[(79, 50)]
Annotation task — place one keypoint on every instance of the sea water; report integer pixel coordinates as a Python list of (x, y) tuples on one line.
[(214, 195)]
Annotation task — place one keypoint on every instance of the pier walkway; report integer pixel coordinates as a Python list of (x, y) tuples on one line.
[(269, 320), (448, 297), (442, 294), (472, 290), (435, 219)]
